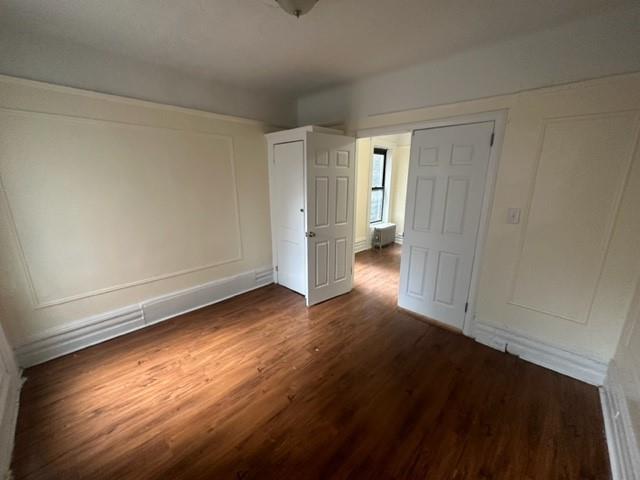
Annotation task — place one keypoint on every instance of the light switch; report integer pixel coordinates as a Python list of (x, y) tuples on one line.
[(513, 216)]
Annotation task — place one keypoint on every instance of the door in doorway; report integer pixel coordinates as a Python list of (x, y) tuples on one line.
[(330, 222), (288, 195), (445, 190)]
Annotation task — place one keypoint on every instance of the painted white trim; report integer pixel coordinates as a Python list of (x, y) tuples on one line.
[(361, 245), (300, 133), (99, 328), (52, 87), (572, 364), (10, 385), (399, 238), (624, 450), (499, 119), (8, 420)]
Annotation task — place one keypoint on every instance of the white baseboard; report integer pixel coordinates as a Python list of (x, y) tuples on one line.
[(361, 245), (99, 328), (624, 450), (535, 351), (399, 239), (10, 397)]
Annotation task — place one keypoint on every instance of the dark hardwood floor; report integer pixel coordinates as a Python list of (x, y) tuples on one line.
[(260, 387)]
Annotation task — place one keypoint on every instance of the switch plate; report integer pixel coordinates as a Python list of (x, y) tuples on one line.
[(513, 216)]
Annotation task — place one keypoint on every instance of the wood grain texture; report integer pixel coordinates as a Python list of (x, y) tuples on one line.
[(261, 387)]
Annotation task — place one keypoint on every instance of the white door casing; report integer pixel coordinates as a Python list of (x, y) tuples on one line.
[(330, 215), (288, 211), (447, 176)]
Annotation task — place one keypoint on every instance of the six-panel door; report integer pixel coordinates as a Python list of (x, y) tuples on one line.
[(330, 215), (447, 174)]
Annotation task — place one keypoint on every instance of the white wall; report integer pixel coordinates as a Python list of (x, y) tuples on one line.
[(565, 275), (106, 202), (61, 62), (587, 48)]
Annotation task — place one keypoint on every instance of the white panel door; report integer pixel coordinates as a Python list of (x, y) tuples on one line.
[(447, 173), (330, 194), (288, 194)]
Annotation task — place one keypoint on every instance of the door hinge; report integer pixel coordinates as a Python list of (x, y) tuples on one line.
[(466, 307), (276, 268), (493, 137)]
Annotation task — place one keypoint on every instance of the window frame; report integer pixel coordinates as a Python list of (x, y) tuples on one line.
[(385, 153)]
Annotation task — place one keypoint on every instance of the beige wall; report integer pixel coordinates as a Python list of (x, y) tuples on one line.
[(566, 274), (398, 193), (363, 171), (106, 202)]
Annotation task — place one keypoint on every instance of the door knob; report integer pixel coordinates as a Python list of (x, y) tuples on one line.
[(309, 234)]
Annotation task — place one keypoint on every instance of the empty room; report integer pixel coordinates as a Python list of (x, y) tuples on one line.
[(320, 239)]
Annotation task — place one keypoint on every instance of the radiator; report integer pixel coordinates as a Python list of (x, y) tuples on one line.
[(384, 234)]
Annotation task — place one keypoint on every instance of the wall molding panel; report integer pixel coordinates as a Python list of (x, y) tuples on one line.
[(99, 328), (626, 142), (38, 301), (540, 353), (624, 452)]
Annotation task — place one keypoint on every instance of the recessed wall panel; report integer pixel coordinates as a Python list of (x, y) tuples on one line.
[(446, 276), (417, 270), (322, 202), (322, 158), (342, 159), (113, 204), (462, 155), (423, 207), (580, 177), (322, 263), (428, 156), (342, 197), (340, 259), (455, 205)]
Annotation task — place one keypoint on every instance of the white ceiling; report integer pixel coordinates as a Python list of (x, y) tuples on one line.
[(253, 44)]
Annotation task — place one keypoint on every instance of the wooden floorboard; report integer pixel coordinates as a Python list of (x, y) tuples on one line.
[(261, 387)]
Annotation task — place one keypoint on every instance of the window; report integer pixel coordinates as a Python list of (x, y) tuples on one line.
[(378, 174)]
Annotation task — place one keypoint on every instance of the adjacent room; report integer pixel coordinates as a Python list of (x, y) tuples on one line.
[(320, 239)]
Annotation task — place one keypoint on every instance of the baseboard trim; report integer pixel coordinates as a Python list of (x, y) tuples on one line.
[(568, 363), (624, 451), (99, 328), (399, 239), (361, 246), (8, 420)]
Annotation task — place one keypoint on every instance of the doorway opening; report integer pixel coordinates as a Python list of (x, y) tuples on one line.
[(424, 194), (382, 170)]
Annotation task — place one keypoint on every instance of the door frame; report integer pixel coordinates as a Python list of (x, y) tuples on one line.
[(289, 136), (499, 117), (272, 221)]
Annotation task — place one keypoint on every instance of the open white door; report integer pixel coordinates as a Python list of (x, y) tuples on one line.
[(447, 174), (329, 219), (288, 214)]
